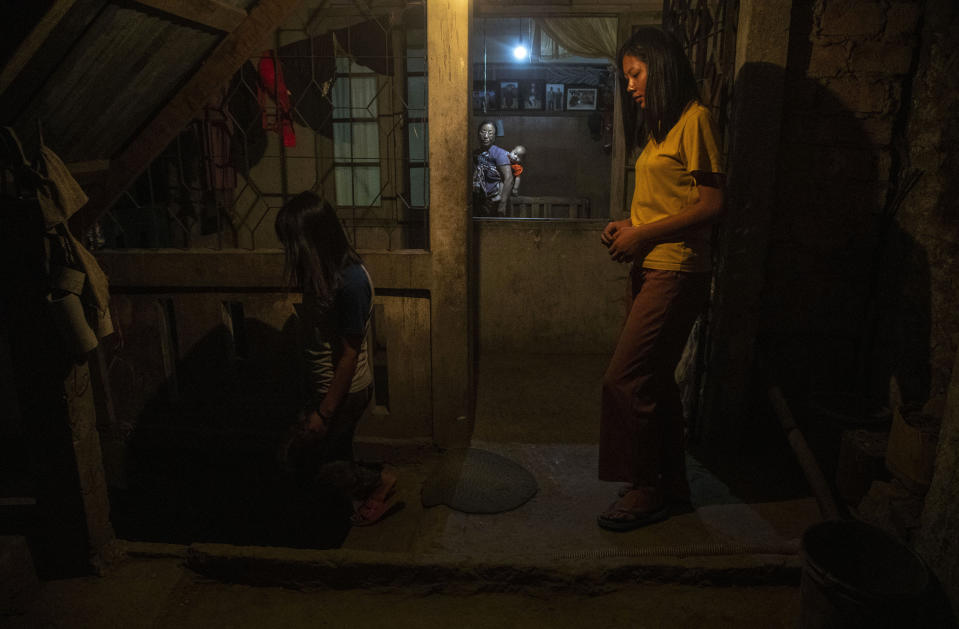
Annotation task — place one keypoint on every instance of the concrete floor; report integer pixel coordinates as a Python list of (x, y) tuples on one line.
[(545, 563), (550, 426)]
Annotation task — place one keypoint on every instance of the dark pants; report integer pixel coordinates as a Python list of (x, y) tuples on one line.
[(484, 206), (329, 460), (642, 429)]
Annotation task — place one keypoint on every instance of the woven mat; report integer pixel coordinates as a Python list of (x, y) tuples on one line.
[(478, 481)]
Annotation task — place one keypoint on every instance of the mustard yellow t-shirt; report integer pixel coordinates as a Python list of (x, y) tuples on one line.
[(665, 186)]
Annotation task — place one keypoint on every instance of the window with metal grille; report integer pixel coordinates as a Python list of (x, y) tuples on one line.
[(336, 103), (356, 138)]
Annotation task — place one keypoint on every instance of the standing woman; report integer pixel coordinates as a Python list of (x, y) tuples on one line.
[(678, 195), (337, 303)]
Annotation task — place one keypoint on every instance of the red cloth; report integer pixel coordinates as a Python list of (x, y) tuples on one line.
[(272, 85)]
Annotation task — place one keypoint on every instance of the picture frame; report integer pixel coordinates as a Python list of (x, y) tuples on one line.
[(509, 95), (555, 97), (484, 100), (581, 99), (531, 96)]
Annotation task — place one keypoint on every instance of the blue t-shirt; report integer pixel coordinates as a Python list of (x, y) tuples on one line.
[(486, 175), (349, 315), (352, 302)]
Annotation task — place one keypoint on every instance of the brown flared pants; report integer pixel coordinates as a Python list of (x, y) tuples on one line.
[(642, 429)]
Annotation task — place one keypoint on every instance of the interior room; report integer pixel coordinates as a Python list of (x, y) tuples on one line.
[(171, 373)]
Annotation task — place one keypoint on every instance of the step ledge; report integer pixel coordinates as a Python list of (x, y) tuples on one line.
[(605, 570)]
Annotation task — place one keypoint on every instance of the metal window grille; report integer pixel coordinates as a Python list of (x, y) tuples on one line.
[(707, 30), (336, 105)]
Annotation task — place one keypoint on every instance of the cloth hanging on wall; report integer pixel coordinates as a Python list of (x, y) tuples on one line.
[(79, 290), (582, 36), (308, 70), (310, 67), (217, 134), (272, 85)]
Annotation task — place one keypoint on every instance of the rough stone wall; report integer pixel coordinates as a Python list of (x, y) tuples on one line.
[(938, 535), (931, 214), (860, 288), (848, 65)]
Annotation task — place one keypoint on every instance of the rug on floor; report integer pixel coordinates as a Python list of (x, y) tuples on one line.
[(477, 481)]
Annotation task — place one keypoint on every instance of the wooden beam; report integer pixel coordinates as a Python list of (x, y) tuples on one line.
[(652, 17), (244, 42), (217, 15), (447, 35), (93, 166), (33, 41), (151, 270)]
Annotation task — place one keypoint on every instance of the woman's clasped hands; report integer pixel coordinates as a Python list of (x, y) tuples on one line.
[(622, 240)]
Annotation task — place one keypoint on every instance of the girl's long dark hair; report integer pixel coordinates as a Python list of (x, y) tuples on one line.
[(670, 85), (315, 244)]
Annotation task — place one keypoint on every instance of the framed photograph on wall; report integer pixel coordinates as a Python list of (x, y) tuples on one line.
[(581, 98), (531, 96), (484, 100), (509, 95), (555, 97)]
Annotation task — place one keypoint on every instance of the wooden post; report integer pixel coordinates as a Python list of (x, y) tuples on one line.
[(448, 85)]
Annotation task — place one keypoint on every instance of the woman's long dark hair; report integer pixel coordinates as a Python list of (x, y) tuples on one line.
[(670, 85), (315, 244)]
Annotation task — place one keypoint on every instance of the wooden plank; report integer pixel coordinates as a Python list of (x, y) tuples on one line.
[(88, 458), (447, 33), (649, 17), (241, 269), (404, 322), (90, 167), (53, 55), (235, 49), (408, 365), (33, 41), (216, 15)]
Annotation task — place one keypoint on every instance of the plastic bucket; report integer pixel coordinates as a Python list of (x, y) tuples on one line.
[(856, 575)]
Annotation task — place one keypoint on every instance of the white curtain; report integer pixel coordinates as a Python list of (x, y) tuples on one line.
[(581, 36), (356, 137)]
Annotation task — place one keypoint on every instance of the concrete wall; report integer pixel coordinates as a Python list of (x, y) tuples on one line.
[(547, 287)]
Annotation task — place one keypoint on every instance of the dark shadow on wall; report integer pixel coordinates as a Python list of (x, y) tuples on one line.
[(845, 303), (202, 464), (815, 273)]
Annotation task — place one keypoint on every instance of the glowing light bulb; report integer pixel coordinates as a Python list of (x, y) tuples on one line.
[(520, 53)]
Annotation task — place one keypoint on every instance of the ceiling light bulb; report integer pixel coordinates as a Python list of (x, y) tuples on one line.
[(519, 52)]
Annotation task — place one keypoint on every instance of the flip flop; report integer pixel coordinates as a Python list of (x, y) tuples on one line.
[(373, 511), (618, 519)]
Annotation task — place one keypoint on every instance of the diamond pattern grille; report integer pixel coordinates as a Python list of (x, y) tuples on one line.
[(336, 105)]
